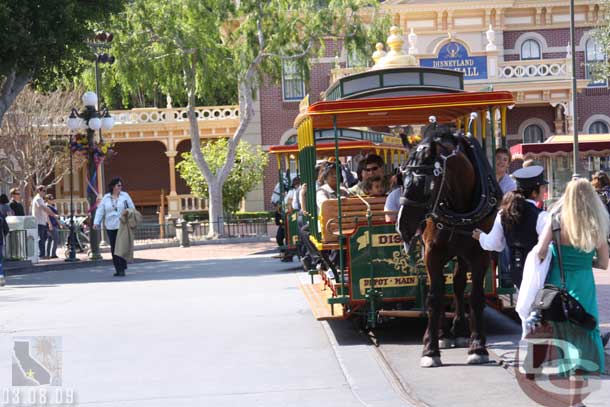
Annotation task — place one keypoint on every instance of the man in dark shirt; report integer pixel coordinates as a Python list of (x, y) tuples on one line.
[(15, 203)]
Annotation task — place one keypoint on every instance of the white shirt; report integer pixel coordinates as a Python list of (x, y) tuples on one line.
[(507, 184), (111, 209), (494, 240), (39, 210), (392, 202), (325, 192)]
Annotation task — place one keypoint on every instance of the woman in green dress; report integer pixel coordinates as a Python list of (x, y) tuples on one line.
[(584, 231)]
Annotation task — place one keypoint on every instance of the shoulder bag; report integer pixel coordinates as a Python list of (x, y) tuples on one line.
[(554, 303)]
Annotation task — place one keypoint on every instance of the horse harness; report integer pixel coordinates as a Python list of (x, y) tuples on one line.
[(442, 216)]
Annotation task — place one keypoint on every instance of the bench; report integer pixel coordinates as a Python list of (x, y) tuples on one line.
[(353, 212)]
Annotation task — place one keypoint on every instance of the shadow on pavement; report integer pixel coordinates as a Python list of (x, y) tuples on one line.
[(156, 270), (500, 330)]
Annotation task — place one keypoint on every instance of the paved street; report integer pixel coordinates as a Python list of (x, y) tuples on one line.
[(184, 333), (222, 325)]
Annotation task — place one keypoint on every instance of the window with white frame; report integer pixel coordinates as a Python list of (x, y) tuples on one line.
[(530, 49), (594, 54), (293, 83), (599, 127), (533, 134)]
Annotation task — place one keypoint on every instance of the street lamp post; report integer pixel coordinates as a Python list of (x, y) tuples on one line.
[(92, 120), (101, 42), (576, 155)]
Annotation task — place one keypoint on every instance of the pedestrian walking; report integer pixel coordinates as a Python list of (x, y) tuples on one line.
[(519, 221), (114, 203), (583, 243), (41, 212), (3, 232), (15, 202), (5, 208), (54, 226)]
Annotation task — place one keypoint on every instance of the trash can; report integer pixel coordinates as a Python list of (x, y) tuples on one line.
[(15, 245), (28, 225)]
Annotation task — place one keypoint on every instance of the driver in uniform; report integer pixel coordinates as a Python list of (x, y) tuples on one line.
[(519, 221)]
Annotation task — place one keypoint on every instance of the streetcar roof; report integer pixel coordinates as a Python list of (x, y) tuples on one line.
[(403, 110), (346, 148)]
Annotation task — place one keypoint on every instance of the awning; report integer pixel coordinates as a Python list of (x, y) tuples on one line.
[(588, 144)]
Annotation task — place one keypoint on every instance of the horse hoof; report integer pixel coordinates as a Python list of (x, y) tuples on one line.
[(446, 343), (461, 342), (476, 359), (430, 361)]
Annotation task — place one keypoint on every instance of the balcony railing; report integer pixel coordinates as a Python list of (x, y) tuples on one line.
[(155, 115), (533, 70), (81, 206), (190, 203)]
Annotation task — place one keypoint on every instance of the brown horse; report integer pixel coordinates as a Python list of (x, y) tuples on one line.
[(448, 190)]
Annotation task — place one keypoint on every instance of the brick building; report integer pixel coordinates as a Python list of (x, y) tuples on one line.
[(520, 46)]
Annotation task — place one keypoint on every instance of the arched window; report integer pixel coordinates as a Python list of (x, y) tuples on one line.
[(599, 127), (291, 140), (530, 49), (533, 134), (593, 54)]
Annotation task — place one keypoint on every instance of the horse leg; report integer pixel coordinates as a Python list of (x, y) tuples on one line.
[(431, 355), (446, 339), (459, 329), (477, 354)]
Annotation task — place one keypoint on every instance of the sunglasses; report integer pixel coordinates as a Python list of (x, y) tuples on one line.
[(371, 169)]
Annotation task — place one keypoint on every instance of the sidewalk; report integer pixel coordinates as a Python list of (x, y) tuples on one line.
[(155, 251)]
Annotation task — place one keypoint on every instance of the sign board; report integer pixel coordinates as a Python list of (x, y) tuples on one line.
[(454, 56), (393, 273)]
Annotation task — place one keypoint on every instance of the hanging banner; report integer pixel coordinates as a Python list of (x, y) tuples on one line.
[(454, 56)]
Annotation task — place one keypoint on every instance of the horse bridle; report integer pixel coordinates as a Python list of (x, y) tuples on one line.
[(430, 171)]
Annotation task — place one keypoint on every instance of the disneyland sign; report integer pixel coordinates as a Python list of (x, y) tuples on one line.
[(454, 56)]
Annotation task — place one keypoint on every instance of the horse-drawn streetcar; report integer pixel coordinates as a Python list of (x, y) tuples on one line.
[(427, 259)]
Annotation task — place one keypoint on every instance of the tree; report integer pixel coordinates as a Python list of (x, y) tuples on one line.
[(248, 171), (26, 153), (42, 42), (601, 70), (211, 41)]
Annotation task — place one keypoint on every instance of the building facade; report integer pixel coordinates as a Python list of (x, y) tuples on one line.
[(520, 46)]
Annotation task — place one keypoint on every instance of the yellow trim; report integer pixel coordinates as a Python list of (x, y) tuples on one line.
[(279, 161), (475, 128), (483, 115), (503, 115)]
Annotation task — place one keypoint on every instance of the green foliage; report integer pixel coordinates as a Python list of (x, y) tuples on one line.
[(248, 170), (300, 28), (152, 35), (155, 41), (601, 71), (45, 40)]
